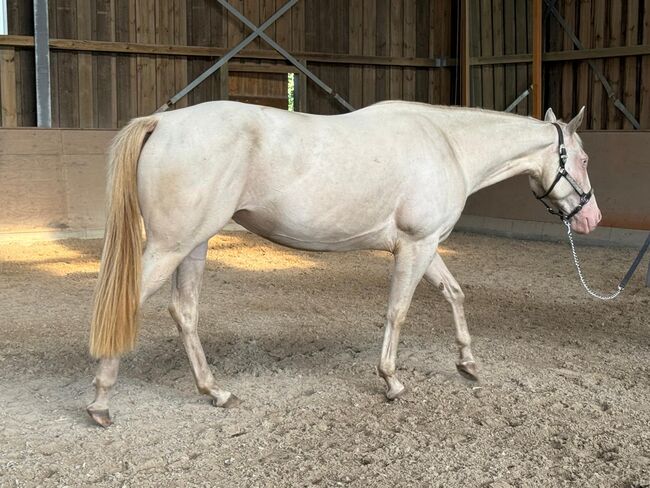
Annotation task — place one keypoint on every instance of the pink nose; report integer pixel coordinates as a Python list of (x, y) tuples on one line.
[(588, 218)]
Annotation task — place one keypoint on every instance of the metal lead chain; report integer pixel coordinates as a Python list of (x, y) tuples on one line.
[(582, 279)]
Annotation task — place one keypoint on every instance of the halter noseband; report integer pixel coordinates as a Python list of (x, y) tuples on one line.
[(562, 173)]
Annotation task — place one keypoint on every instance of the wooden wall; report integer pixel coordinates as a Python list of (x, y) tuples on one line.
[(388, 28), (503, 28), (105, 89)]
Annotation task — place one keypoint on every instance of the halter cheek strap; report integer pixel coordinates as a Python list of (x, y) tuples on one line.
[(562, 173)]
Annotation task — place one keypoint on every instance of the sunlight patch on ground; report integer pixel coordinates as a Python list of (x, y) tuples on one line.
[(443, 251), (65, 268), (54, 258), (236, 252)]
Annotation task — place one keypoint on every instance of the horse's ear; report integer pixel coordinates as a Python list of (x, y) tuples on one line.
[(572, 126), (549, 116)]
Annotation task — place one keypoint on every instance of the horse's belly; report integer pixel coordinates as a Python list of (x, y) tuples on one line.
[(316, 235)]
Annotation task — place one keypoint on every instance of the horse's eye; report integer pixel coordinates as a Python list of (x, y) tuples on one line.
[(585, 162)]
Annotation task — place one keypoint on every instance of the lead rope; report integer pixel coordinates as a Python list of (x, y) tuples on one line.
[(582, 278)]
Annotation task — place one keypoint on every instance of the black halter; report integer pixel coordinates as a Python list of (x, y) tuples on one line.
[(562, 173)]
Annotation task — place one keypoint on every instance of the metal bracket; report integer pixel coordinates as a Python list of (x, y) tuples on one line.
[(608, 88), (257, 32)]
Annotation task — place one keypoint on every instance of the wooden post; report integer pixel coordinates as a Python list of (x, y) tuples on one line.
[(465, 32), (537, 59)]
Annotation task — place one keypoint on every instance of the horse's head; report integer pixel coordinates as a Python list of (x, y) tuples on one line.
[(564, 180)]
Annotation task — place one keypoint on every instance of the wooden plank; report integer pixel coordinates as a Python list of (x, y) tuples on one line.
[(356, 47), (422, 36), (20, 21), (509, 35), (146, 32), (552, 72), (126, 69), (180, 38), (497, 49), (396, 47), (224, 79), (476, 75), (68, 69), (410, 41), (8, 87), (249, 82), (583, 74), (521, 47), (487, 50), (235, 33), (303, 101), (369, 49), (298, 44), (630, 64), (341, 73), (203, 51), (598, 95), (199, 35), (612, 72), (644, 88), (85, 60), (567, 100), (434, 50), (446, 51), (382, 46), (165, 73), (105, 68)]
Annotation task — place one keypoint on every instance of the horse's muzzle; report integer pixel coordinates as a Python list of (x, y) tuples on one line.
[(588, 218)]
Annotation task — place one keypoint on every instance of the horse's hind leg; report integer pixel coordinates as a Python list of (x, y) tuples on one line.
[(157, 267), (411, 261), (186, 286), (438, 275)]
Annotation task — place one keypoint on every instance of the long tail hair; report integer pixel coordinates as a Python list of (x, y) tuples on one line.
[(114, 323)]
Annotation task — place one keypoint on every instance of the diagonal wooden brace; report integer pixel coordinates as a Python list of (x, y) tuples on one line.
[(257, 31), (302, 68)]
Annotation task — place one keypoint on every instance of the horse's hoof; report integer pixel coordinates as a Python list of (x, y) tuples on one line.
[(232, 402), (395, 392), (100, 417), (468, 370)]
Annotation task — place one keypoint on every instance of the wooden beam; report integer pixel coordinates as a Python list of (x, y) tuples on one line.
[(537, 59), (173, 50), (569, 55)]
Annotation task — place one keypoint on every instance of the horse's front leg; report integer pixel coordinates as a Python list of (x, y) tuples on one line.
[(186, 286), (411, 260), (438, 275)]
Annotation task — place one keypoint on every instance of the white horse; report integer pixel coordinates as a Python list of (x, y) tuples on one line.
[(394, 176)]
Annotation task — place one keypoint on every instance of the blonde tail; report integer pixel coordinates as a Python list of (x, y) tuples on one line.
[(114, 323)]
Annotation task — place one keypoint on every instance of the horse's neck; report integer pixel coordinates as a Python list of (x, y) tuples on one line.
[(498, 148)]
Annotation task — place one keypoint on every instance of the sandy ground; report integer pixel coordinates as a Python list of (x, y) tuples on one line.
[(563, 401)]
